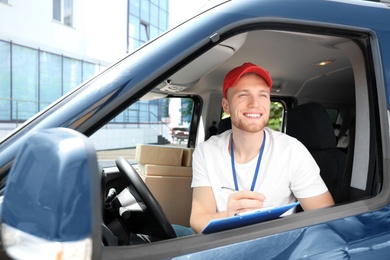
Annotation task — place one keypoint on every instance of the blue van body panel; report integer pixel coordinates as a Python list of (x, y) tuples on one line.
[(358, 237), (49, 191)]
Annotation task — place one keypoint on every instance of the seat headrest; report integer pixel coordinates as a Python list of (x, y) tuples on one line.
[(311, 124), (224, 124)]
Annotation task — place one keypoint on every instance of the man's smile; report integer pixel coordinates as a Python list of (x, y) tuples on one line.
[(252, 115)]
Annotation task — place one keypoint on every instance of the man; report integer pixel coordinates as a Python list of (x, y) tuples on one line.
[(263, 166)]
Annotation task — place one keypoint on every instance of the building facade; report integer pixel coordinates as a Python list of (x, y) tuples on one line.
[(49, 47)]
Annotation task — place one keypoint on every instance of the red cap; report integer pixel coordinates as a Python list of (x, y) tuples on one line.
[(235, 74)]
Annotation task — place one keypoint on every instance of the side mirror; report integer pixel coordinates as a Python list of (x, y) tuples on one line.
[(52, 200)]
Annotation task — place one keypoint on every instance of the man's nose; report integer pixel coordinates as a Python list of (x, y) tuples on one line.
[(253, 101)]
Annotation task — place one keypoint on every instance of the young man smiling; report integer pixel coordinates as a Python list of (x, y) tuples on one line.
[(263, 166)]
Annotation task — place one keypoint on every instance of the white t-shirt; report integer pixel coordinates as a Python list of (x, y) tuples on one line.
[(287, 170)]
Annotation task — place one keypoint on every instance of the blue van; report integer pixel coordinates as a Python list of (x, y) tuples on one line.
[(98, 175)]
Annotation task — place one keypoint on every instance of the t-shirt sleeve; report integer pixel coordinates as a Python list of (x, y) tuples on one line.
[(306, 180), (199, 168)]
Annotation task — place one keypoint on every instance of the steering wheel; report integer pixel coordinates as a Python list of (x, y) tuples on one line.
[(155, 218)]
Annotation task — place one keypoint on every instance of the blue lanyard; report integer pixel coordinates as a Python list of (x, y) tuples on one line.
[(257, 166)]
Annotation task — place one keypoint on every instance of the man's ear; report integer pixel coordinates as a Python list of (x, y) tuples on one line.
[(225, 106)]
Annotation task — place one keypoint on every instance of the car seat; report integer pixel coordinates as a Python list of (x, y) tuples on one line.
[(224, 124), (311, 124)]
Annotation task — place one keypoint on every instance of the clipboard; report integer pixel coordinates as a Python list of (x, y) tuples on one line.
[(247, 218)]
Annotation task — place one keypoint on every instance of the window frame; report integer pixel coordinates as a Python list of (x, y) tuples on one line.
[(257, 232), (63, 12)]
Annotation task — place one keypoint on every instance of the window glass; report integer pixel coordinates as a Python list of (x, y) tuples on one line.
[(164, 4), (133, 44), (333, 114), (153, 32), (24, 82), (275, 120), (89, 70), (72, 74), (153, 15), (50, 78), (63, 11), (164, 121), (133, 113), (134, 7), (5, 81), (57, 10), (163, 18), (68, 12), (145, 10), (134, 27), (144, 33), (35, 86), (144, 112), (186, 106)]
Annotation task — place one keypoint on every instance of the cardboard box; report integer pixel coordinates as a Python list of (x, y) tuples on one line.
[(157, 154)]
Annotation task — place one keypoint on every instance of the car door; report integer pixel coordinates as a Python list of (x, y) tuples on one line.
[(191, 60)]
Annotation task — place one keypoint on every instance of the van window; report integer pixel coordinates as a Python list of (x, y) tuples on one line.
[(276, 116), (163, 121)]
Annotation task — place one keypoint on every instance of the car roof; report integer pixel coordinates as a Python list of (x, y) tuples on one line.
[(295, 69), (293, 74)]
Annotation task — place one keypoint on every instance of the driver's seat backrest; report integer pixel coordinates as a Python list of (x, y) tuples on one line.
[(224, 124), (311, 124)]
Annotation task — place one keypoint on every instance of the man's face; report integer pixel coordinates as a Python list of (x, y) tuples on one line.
[(248, 103)]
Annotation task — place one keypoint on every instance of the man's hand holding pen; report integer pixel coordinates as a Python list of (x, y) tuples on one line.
[(241, 201)]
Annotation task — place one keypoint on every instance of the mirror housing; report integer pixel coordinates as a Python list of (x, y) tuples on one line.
[(52, 200)]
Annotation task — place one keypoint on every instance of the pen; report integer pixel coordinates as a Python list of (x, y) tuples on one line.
[(228, 190)]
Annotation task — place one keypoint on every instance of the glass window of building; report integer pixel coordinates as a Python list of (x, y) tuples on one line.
[(57, 10), (144, 33), (153, 15), (134, 27), (89, 70), (164, 5), (5, 81), (50, 78), (68, 12), (24, 82), (147, 19), (63, 11), (31, 79), (134, 7), (145, 10), (153, 32), (72, 74), (163, 20)]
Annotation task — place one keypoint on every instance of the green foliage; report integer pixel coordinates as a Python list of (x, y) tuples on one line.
[(187, 111), (276, 116)]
